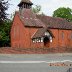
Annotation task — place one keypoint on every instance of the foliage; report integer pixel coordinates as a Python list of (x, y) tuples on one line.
[(3, 7), (5, 33), (36, 9), (65, 13), (4, 24)]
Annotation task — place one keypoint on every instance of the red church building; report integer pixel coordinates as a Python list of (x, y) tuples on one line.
[(39, 31)]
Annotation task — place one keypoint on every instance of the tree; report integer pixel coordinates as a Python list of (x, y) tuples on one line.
[(65, 13), (36, 9), (4, 24), (3, 8), (5, 33)]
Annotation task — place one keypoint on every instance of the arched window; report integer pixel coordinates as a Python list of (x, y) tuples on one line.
[(62, 35), (71, 36), (14, 34), (16, 31)]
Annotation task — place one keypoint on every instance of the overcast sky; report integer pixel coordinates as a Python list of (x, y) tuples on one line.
[(48, 6)]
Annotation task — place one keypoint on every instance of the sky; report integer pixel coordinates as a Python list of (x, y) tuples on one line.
[(48, 6)]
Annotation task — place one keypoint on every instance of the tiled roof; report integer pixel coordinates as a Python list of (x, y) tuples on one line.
[(25, 1), (32, 23), (52, 22), (41, 33), (32, 20), (29, 19)]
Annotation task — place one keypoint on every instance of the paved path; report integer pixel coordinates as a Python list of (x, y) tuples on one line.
[(36, 57), (34, 63)]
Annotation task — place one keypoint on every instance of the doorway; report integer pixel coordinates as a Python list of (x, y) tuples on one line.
[(46, 41)]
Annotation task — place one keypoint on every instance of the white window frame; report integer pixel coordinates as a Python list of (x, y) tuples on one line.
[(42, 39), (50, 39), (47, 33)]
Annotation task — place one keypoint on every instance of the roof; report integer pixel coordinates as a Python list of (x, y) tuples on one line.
[(25, 1), (55, 22), (29, 19), (41, 33), (44, 23)]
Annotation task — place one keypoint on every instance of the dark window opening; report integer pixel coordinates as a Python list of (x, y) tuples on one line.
[(46, 39)]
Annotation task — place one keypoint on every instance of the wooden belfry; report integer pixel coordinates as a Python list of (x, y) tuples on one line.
[(25, 4)]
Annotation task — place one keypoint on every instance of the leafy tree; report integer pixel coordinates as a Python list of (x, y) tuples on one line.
[(65, 13), (3, 7), (36, 9), (4, 24), (5, 33)]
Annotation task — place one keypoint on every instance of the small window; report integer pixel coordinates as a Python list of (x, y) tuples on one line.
[(17, 30), (71, 36), (34, 40), (14, 32), (50, 39), (37, 40), (62, 35), (41, 39)]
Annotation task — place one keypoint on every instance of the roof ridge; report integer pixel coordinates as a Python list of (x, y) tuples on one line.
[(27, 1), (53, 17)]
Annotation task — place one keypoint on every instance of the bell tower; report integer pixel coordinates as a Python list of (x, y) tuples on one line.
[(27, 4)]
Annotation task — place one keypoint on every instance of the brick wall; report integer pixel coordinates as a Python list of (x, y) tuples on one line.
[(60, 40), (21, 35)]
